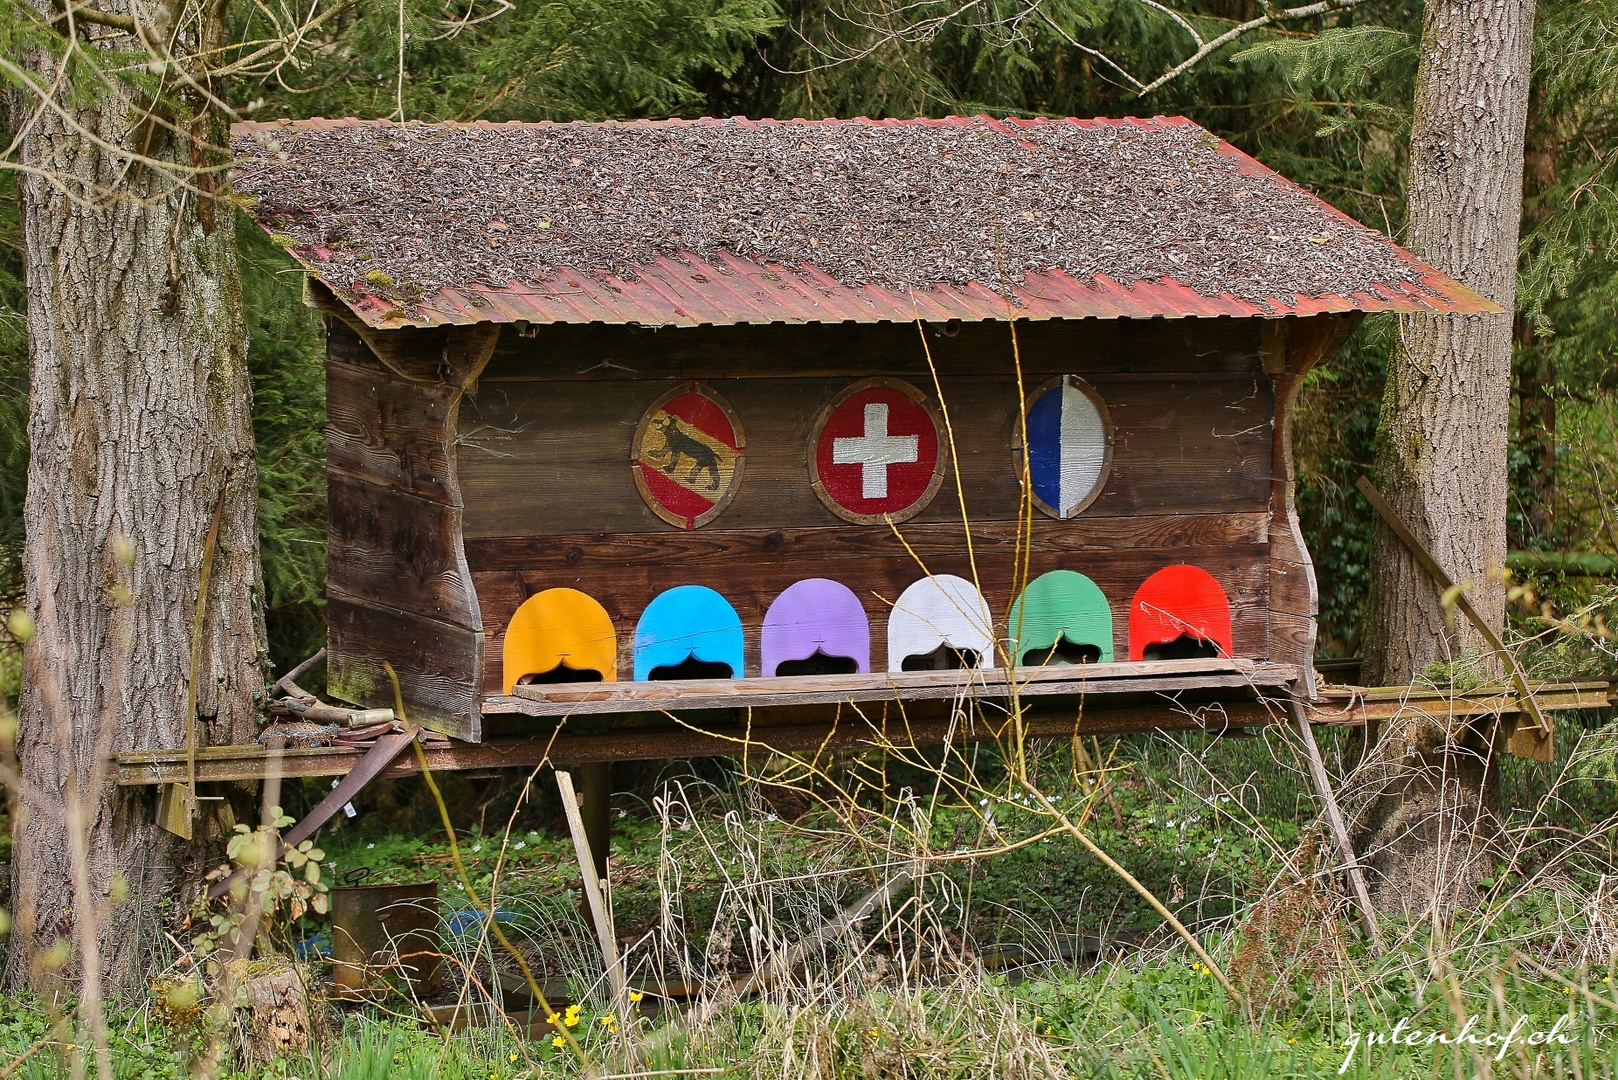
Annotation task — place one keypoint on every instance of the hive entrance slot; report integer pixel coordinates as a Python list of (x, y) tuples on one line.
[(943, 658), (1063, 652), (561, 673), (1184, 647), (690, 668), (819, 664)]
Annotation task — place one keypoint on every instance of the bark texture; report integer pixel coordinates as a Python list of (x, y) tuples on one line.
[(139, 424), (1441, 449)]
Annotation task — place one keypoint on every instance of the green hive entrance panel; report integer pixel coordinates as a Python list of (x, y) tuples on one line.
[(1060, 607)]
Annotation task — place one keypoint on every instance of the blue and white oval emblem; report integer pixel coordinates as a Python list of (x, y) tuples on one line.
[(1069, 445)]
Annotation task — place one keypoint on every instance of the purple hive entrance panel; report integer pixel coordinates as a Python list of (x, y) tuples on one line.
[(816, 615)]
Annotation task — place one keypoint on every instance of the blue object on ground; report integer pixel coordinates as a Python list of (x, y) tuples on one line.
[(315, 945), (459, 922)]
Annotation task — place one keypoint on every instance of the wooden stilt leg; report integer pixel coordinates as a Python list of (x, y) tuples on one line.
[(595, 782)]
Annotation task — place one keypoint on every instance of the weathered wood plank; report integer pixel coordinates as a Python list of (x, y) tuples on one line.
[(387, 431), (398, 587), (566, 552), (1291, 349), (554, 457), (1338, 706), (993, 684), (573, 352), (439, 665), (395, 549)]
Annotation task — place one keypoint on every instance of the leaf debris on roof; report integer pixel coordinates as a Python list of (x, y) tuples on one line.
[(900, 205)]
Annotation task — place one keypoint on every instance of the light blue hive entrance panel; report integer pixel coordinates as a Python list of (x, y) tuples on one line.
[(688, 632)]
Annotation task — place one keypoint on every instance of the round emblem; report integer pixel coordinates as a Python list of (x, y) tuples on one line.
[(877, 453), (687, 455), (1069, 445)]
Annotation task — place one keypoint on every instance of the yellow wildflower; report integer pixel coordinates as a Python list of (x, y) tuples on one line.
[(558, 1040), (636, 995)]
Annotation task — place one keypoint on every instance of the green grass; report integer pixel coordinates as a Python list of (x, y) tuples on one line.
[(702, 863)]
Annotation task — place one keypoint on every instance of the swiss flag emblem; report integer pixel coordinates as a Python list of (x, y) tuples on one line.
[(877, 452)]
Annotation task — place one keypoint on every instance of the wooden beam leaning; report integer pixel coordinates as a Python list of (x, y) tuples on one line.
[(1334, 818), (1536, 742)]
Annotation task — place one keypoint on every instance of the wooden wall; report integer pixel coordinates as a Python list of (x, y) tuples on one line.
[(398, 587), (543, 452)]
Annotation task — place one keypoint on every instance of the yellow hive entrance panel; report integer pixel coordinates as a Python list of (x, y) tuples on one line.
[(560, 628)]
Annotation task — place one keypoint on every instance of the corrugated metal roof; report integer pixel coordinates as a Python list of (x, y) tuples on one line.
[(684, 289)]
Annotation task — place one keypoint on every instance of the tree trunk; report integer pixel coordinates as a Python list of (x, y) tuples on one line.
[(139, 425), (1441, 447)]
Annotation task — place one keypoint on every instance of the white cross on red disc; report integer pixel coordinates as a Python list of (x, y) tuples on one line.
[(876, 454)]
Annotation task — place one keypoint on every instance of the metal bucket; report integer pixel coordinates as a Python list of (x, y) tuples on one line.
[(382, 934)]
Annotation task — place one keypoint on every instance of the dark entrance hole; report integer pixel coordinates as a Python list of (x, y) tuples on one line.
[(1184, 647), (691, 668), (818, 664), (1063, 652), (943, 658), (561, 673)]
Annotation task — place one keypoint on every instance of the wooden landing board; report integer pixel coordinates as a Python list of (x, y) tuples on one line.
[(1335, 706), (671, 740), (576, 699)]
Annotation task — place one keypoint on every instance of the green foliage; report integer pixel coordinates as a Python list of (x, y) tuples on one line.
[(523, 60), (286, 363), (282, 888)]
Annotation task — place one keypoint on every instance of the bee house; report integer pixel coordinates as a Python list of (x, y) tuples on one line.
[(772, 417)]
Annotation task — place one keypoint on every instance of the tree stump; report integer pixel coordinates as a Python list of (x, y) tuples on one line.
[(272, 1013)]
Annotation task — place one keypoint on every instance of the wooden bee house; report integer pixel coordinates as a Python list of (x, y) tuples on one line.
[(627, 418)]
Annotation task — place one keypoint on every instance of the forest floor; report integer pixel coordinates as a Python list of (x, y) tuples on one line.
[(1023, 956)]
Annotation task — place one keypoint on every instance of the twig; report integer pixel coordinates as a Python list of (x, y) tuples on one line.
[(289, 681)]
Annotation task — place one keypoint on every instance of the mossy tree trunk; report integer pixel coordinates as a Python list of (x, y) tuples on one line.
[(1441, 445), (139, 426)]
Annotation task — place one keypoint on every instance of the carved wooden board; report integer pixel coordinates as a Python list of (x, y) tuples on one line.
[(937, 613), (688, 624), (1062, 605), (1179, 602)]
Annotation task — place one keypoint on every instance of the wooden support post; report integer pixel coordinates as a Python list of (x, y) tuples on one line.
[(1334, 818), (595, 780), (596, 894)]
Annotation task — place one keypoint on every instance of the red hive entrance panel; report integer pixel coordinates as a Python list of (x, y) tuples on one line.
[(1179, 602)]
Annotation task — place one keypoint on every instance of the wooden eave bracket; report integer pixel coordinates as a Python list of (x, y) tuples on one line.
[(460, 351)]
